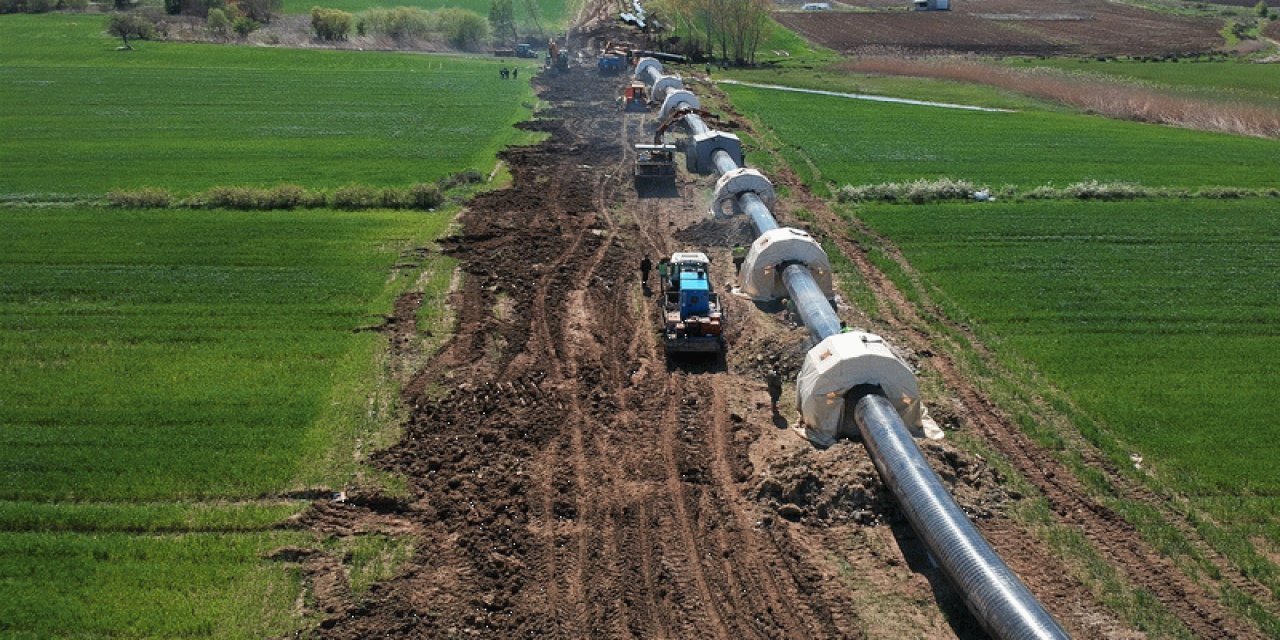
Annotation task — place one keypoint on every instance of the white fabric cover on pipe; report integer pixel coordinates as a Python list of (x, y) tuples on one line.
[(761, 272), (842, 362), (724, 201)]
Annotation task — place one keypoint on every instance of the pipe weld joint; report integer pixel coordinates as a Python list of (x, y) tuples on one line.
[(673, 101), (733, 184), (665, 85), (643, 66), (761, 271)]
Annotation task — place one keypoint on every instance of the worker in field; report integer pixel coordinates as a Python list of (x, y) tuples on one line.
[(515, 74), (774, 382), (664, 267), (645, 265)]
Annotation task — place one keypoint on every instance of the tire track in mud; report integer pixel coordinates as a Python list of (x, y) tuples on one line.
[(566, 483)]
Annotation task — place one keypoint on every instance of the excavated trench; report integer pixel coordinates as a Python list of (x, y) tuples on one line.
[(567, 482)]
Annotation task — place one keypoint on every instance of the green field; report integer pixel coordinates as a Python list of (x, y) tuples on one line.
[(858, 142), (551, 14), (78, 117), (1227, 80), (162, 368), (171, 376)]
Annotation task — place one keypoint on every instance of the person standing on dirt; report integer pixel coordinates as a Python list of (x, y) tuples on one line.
[(645, 265), (774, 382)]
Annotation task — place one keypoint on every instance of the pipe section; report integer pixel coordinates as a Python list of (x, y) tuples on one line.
[(995, 595), (990, 589), (811, 305)]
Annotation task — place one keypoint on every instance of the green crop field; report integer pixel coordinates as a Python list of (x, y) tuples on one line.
[(170, 377), (551, 14), (1228, 80), (858, 142), (163, 371), (78, 117)]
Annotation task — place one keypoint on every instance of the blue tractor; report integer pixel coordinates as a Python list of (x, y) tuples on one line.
[(691, 314)]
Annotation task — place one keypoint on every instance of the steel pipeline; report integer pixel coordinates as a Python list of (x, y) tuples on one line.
[(995, 595)]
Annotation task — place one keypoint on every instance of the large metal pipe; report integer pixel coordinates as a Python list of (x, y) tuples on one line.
[(758, 211), (995, 595), (811, 305)]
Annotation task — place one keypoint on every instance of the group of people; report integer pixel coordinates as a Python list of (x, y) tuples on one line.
[(505, 73)]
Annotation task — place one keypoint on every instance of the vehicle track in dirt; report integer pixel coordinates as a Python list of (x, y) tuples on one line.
[(566, 482)]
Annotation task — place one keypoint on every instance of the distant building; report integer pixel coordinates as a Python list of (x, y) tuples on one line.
[(933, 5)]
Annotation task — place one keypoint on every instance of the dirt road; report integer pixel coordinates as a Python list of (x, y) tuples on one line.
[(568, 483)]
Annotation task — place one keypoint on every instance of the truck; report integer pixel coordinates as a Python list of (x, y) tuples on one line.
[(634, 97), (692, 320), (611, 64), (655, 163), (522, 50)]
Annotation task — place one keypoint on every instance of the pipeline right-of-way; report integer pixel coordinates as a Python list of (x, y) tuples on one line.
[(850, 375)]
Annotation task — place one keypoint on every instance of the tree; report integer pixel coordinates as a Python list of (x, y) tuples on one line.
[(244, 25), (502, 19), (330, 24), (465, 30), (217, 23), (1261, 8), (130, 25), (261, 10)]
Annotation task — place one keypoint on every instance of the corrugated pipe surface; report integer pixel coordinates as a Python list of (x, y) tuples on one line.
[(991, 590)]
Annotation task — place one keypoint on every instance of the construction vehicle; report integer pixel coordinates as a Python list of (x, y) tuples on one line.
[(655, 163), (557, 58), (634, 97), (611, 64), (522, 50), (691, 315)]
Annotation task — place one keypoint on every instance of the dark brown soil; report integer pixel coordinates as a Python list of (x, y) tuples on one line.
[(1011, 27)]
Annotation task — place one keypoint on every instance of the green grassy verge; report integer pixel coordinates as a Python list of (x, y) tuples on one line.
[(857, 142), (78, 117)]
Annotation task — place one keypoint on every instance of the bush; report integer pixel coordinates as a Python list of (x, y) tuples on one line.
[(73, 5), (244, 25), (465, 30), (460, 178), (355, 196), (217, 24), (330, 24), (916, 192), (400, 23), (233, 198), (1094, 190), (391, 198), (146, 198), (129, 25), (1225, 193), (425, 196), (284, 196), (261, 11)]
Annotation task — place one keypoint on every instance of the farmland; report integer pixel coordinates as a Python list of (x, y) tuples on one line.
[(1228, 80), (194, 358), (173, 378), (1010, 27), (80, 118), (1027, 148)]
